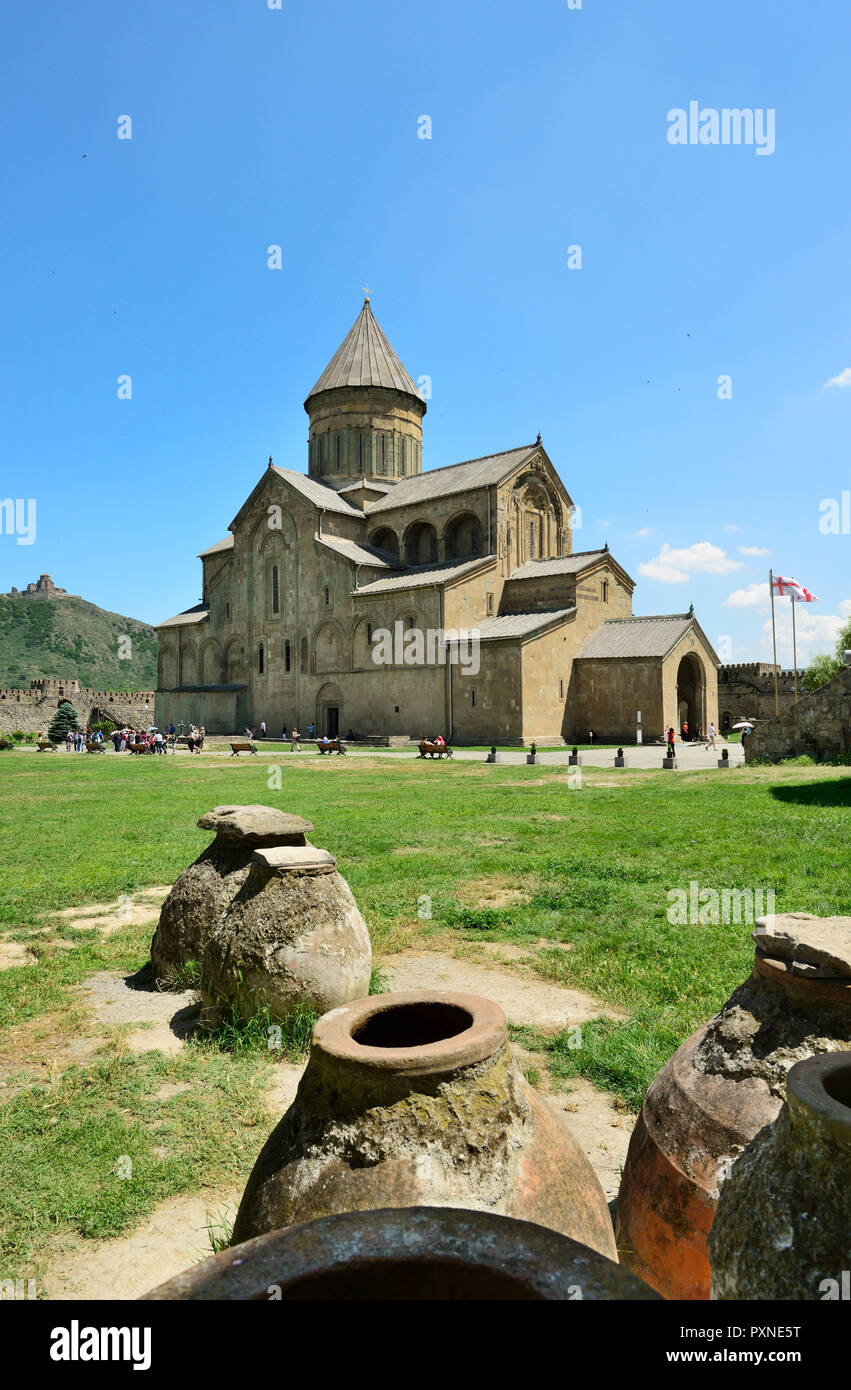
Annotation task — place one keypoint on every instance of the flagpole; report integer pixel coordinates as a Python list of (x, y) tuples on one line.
[(774, 642), (794, 646)]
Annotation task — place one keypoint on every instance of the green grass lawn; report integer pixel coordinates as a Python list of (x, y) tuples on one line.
[(593, 865)]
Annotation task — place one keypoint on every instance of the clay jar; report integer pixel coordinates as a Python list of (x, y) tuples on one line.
[(415, 1099), (718, 1090), (292, 935), (420, 1253), (206, 888), (783, 1225)]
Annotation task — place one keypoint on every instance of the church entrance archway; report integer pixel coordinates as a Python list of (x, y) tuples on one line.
[(329, 711), (691, 695)]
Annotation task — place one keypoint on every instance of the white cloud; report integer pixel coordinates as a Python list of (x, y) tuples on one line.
[(754, 596), (639, 535), (676, 566), (816, 632), (731, 526), (842, 380), (752, 550)]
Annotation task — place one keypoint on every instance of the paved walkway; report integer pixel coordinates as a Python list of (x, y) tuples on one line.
[(689, 756)]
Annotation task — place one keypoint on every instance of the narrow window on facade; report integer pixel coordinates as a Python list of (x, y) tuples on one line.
[(531, 540), (369, 633), (322, 451), (275, 590), (402, 456), (287, 657), (561, 690), (473, 698), (304, 656), (490, 603), (260, 655), (227, 610), (327, 597), (360, 452), (338, 453), (605, 588)]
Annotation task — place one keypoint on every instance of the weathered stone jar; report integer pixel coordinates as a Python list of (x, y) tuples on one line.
[(207, 887), (421, 1253), (720, 1088), (415, 1099), (783, 1225), (292, 934)]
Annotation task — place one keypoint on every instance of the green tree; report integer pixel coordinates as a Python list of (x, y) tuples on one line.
[(65, 719), (823, 668)]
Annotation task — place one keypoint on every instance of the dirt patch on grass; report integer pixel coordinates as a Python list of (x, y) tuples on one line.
[(14, 953), (131, 909), (491, 892)]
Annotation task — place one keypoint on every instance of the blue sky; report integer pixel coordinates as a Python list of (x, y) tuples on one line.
[(299, 127)]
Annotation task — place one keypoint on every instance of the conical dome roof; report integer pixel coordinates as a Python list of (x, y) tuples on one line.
[(365, 358)]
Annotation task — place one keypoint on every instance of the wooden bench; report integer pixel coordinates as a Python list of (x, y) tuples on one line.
[(45, 746), (242, 747), (139, 748), (330, 745), (434, 750), (94, 747)]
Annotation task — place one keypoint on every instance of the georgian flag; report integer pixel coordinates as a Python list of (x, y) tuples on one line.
[(790, 588)]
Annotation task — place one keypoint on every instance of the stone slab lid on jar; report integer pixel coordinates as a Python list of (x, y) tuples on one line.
[(294, 859), (258, 825), (818, 948)]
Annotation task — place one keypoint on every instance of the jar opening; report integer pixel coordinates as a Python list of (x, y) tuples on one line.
[(413, 1025), (431, 1278), (838, 1085)]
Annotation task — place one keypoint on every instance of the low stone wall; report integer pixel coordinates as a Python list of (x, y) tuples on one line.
[(819, 725)]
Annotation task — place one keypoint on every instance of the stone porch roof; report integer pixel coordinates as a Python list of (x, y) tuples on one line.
[(199, 614), (318, 493), (620, 638), (564, 564), (225, 544), (359, 554)]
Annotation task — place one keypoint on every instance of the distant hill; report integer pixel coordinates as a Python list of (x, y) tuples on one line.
[(68, 638)]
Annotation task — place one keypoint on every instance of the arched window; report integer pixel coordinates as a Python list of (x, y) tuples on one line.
[(275, 590), (260, 656), (531, 540), (402, 456), (327, 597), (369, 633), (338, 453), (383, 454), (304, 656), (227, 610), (360, 452), (287, 657), (605, 590)]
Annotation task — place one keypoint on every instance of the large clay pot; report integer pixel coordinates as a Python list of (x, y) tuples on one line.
[(415, 1099), (207, 887), (292, 935), (718, 1090), (422, 1253), (783, 1226)]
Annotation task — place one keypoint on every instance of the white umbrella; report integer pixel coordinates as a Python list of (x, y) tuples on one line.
[(745, 724)]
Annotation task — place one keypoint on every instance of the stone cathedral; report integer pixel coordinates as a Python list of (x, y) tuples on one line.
[(317, 568)]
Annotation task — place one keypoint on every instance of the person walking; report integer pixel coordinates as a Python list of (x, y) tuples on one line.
[(711, 742), (295, 746), (262, 728), (671, 737), (311, 730)]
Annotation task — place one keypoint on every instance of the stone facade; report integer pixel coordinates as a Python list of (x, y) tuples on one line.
[(32, 710), (819, 726), (316, 568)]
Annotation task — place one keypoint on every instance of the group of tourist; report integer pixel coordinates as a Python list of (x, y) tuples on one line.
[(77, 739)]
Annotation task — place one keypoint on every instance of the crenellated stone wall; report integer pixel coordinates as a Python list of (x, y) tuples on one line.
[(32, 710)]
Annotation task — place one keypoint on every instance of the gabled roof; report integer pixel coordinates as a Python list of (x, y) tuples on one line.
[(637, 637), (521, 624), (318, 493), (199, 614), (456, 477), (365, 358), (359, 554), (425, 576), (367, 484), (565, 564), (226, 544)]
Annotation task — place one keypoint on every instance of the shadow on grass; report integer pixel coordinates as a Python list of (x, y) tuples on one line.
[(834, 793)]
